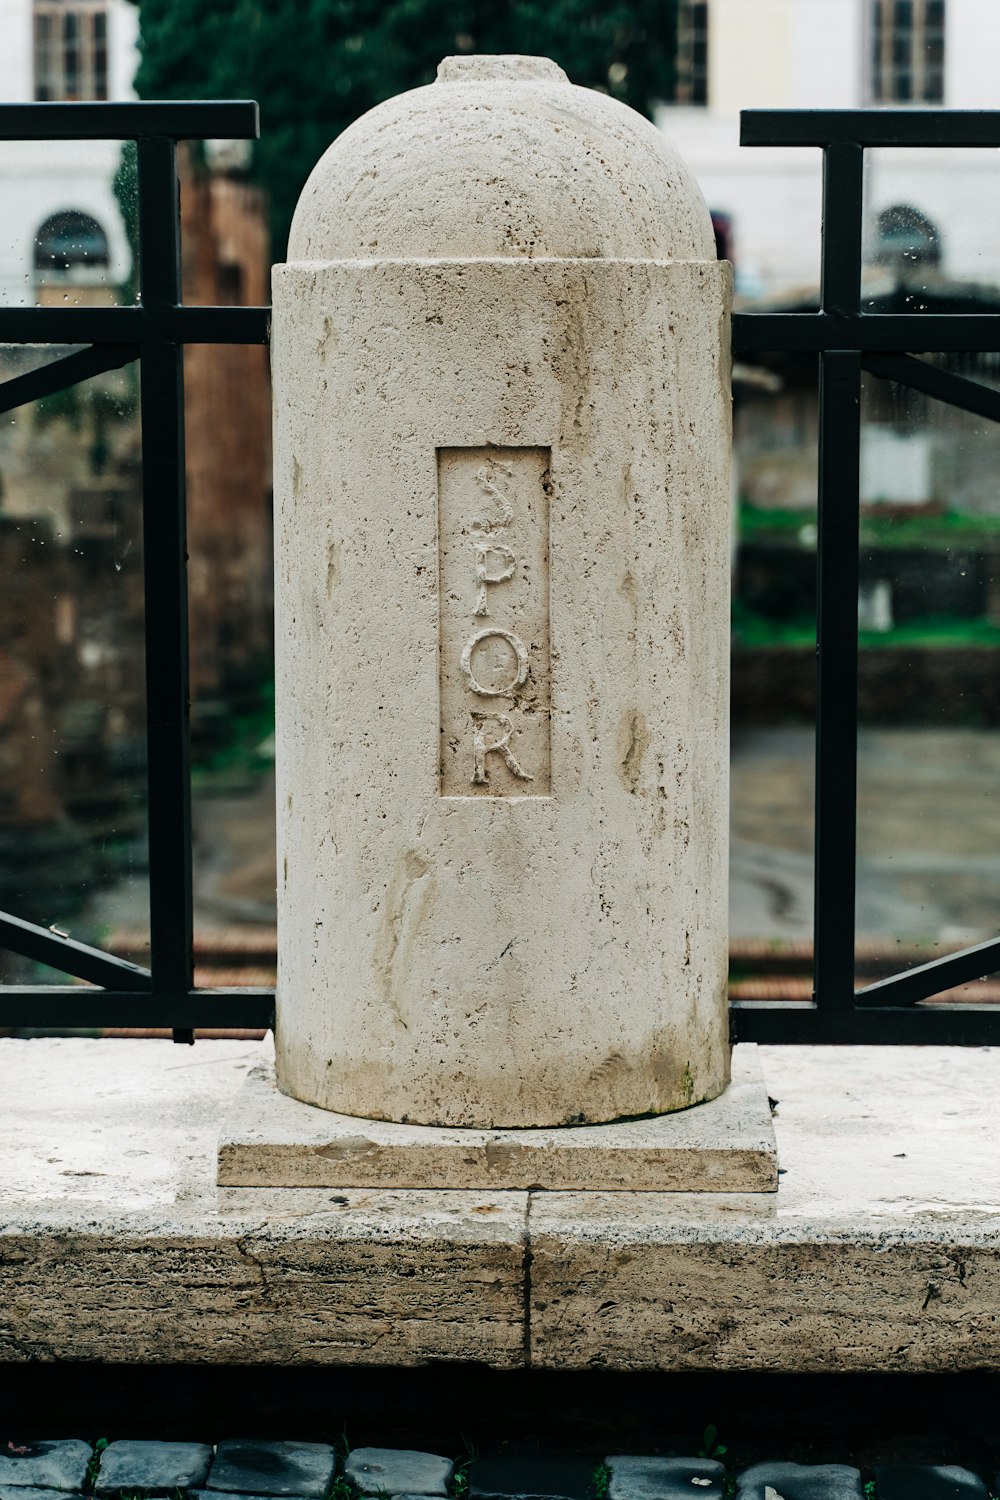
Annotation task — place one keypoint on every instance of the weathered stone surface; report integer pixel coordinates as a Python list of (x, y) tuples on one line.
[(635, 1478), (116, 1246), (784, 1481), (138, 1465), (427, 1278), (541, 1477), (256, 1467), (724, 1146), (214, 1495), (398, 1471), (439, 198), (882, 1253), (645, 1286), (57, 1465), (928, 1482), (502, 863), (29, 1492)]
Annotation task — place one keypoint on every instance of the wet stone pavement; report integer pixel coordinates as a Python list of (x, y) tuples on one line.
[(928, 833), (928, 840), (132, 1470)]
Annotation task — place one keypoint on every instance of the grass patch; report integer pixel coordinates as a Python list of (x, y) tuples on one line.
[(899, 528), (752, 630)]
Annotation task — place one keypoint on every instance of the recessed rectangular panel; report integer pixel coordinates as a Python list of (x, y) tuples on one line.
[(493, 571)]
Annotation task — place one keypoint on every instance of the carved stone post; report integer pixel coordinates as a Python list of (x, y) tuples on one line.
[(501, 389)]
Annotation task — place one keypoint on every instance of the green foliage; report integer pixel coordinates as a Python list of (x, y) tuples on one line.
[(239, 759), (460, 1483), (94, 1465), (61, 406), (710, 1445), (341, 1487), (316, 65), (601, 1481), (125, 186)]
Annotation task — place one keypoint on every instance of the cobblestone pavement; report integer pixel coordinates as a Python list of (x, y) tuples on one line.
[(263, 1470)]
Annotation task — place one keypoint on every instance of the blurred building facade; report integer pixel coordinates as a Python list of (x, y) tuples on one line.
[(72, 689), (224, 234), (929, 600), (61, 226), (837, 54)]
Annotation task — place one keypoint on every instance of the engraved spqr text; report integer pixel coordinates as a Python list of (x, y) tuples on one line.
[(493, 569)]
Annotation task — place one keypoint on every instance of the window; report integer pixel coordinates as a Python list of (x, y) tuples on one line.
[(906, 239), (70, 246), (692, 52), (907, 42), (71, 49)]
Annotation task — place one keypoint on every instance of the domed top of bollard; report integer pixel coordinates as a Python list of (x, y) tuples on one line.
[(501, 157)]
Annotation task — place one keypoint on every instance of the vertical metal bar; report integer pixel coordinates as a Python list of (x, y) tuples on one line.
[(843, 195), (837, 677), (165, 564), (837, 588)]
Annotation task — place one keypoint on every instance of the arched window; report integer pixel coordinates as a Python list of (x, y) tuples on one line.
[(906, 238), (70, 245)]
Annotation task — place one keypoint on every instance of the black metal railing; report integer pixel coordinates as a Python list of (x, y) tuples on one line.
[(151, 333), (154, 331), (848, 341)]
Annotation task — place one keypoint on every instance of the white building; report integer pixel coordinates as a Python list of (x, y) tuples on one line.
[(805, 54), (61, 232)]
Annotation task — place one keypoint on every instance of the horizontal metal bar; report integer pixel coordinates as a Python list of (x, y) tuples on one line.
[(180, 120), (870, 127), (928, 979), (64, 1007), (956, 390), (812, 332), (120, 325), (44, 946), (795, 1022), (50, 378)]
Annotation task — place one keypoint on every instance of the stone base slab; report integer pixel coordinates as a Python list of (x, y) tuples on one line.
[(724, 1146), (880, 1251)]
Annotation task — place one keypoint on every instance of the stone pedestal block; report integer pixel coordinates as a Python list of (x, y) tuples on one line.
[(725, 1146)]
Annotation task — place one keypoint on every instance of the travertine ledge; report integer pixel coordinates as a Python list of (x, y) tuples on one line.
[(880, 1249), (724, 1146)]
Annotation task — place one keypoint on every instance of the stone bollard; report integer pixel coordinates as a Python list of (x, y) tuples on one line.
[(501, 387)]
